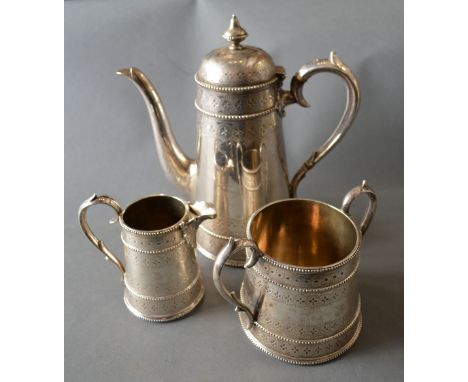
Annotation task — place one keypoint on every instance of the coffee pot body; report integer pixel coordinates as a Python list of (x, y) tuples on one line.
[(240, 162)]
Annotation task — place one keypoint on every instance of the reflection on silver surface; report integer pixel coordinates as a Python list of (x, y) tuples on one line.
[(161, 274), (299, 301), (240, 162)]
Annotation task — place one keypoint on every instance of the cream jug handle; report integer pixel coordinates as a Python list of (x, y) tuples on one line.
[(353, 96), (371, 208), (93, 200), (230, 248)]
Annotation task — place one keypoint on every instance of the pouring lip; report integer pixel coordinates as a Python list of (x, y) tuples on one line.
[(306, 269), (155, 232)]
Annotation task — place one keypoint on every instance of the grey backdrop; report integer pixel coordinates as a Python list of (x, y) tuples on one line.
[(109, 149)]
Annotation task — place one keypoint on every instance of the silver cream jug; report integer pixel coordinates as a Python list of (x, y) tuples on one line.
[(161, 276), (240, 163)]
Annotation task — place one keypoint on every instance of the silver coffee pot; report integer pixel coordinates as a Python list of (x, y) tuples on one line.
[(240, 163)]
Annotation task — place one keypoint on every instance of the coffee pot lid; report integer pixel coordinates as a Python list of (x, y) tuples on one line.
[(236, 65)]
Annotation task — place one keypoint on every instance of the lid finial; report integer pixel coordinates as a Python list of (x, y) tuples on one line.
[(235, 34)]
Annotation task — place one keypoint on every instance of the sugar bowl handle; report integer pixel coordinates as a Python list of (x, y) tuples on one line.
[(371, 208), (230, 248), (353, 95), (93, 200)]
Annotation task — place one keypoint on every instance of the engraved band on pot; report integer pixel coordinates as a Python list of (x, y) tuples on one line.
[(315, 341), (309, 360), (307, 279), (235, 89), (168, 315), (155, 251), (163, 298), (211, 233), (309, 290), (236, 117)]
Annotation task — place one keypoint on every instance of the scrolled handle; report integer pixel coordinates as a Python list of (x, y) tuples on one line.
[(353, 96), (371, 208), (230, 248), (93, 200)]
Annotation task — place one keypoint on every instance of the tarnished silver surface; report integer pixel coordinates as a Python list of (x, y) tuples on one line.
[(240, 163), (299, 301), (161, 274)]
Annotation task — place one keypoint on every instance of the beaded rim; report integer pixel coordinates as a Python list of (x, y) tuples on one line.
[(236, 263), (311, 269), (217, 236), (154, 251), (210, 256), (172, 317), (236, 117), (155, 232), (234, 89), (196, 279), (310, 290), (304, 362), (319, 340)]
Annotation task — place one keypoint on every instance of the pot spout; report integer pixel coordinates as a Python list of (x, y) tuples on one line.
[(177, 166)]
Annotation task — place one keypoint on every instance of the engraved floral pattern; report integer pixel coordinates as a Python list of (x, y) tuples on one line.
[(237, 131), (300, 314), (237, 104), (306, 351), (306, 280), (164, 307)]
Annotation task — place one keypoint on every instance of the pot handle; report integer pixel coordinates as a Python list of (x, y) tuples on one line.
[(230, 248), (371, 208), (353, 95), (93, 200)]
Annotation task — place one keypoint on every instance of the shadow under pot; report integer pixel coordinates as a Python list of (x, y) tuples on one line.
[(299, 300), (161, 274)]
